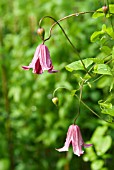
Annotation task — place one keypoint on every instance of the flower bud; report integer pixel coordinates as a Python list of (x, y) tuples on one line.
[(55, 101), (105, 9), (41, 32)]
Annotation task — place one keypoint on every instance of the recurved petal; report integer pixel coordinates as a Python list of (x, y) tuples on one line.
[(68, 139), (26, 67), (78, 151), (52, 70), (87, 145), (64, 148)]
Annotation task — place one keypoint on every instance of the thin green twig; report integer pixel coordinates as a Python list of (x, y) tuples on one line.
[(81, 101), (80, 98)]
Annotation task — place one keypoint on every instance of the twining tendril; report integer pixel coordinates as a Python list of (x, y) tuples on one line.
[(81, 101), (91, 110), (57, 22), (66, 17)]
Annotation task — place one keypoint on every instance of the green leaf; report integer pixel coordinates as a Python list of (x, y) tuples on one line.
[(89, 155), (96, 35), (104, 30), (110, 32), (103, 27), (99, 12), (97, 164), (77, 65), (105, 105), (109, 111), (111, 7), (106, 49), (98, 133), (73, 92), (99, 59), (103, 145), (102, 69)]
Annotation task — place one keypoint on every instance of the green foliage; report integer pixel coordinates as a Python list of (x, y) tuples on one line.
[(99, 12), (31, 126), (77, 65), (105, 30), (102, 69), (97, 164), (102, 144)]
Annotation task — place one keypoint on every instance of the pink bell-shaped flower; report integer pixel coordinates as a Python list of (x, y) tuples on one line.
[(74, 136), (41, 61)]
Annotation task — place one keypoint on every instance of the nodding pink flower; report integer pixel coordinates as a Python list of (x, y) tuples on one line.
[(41, 61), (74, 136)]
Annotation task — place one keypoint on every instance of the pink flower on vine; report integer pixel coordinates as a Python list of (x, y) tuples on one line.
[(74, 136), (41, 61)]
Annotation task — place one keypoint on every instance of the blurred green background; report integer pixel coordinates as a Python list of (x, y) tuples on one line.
[(31, 126)]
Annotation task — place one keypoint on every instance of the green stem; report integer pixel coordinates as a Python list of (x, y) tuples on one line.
[(9, 137), (80, 97), (91, 110), (8, 122), (66, 17), (58, 89), (81, 101), (66, 166)]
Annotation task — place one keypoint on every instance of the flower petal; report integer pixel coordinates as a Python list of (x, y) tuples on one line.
[(68, 140), (77, 148), (26, 67), (37, 69), (64, 148), (87, 145), (74, 136), (52, 71), (82, 141), (41, 61)]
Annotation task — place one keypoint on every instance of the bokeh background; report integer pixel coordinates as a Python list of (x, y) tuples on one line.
[(31, 126)]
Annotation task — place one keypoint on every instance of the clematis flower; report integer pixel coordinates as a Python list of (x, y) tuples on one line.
[(74, 136), (41, 61)]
